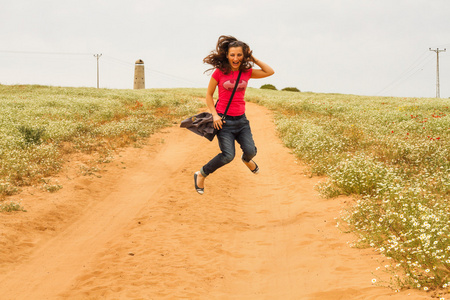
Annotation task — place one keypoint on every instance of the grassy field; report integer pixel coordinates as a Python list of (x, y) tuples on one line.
[(39, 125), (391, 154)]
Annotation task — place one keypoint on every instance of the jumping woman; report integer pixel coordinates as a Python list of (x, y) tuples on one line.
[(230, 57)]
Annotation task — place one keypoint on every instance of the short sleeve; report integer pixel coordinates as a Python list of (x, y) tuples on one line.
[(216, 75)]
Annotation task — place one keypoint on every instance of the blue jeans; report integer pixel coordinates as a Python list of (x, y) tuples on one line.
[(233, 130)]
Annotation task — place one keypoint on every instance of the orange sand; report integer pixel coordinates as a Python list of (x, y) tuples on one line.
[(140, 231)]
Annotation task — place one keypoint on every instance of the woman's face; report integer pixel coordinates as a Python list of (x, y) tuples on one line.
[(235, 56)]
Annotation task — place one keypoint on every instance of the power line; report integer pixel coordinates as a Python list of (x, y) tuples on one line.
[(44, 53), (444, 45), (152, 70), (438, 93), (171, 76), (415, 67), (113, 59)]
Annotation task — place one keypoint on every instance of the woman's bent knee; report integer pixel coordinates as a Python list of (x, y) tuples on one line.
[(227, 158), (249, 154)]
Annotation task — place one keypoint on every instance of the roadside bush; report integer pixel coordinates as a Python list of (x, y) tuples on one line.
[(268, 87), (11, 206), (31, 136), (291, 89)]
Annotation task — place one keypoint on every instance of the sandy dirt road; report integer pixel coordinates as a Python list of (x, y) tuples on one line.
[(140, 231)]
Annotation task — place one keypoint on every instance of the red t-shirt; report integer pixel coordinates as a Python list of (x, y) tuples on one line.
[(226, 83)]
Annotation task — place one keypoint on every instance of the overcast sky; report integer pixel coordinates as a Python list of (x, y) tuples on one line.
[(376, 47)]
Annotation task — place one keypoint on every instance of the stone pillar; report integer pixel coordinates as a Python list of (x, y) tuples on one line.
[(139, 75)]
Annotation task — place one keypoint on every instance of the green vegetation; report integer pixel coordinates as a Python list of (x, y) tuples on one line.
[(31, 136), (39, 124), (291, 89), (268, 87), (272, 87), (393, 156), (11, 206)]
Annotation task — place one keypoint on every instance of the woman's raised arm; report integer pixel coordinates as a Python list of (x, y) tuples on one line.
[(265, 70)]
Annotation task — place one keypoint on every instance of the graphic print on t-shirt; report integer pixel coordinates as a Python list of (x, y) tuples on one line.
[(229, 85)]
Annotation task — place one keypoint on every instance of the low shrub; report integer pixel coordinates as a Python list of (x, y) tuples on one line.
[(11, 206), (30, 135), (268, 87), (291, 89)]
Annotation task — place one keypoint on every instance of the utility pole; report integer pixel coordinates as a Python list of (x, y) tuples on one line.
[(438, 95), (97, 56)]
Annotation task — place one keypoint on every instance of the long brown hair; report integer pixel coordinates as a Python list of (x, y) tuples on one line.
[(218, 58)]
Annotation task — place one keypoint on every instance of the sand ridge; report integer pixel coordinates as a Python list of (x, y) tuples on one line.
[(140, 231)]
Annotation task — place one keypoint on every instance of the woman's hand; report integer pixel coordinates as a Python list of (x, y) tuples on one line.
[(217, 122), (265, 70)]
